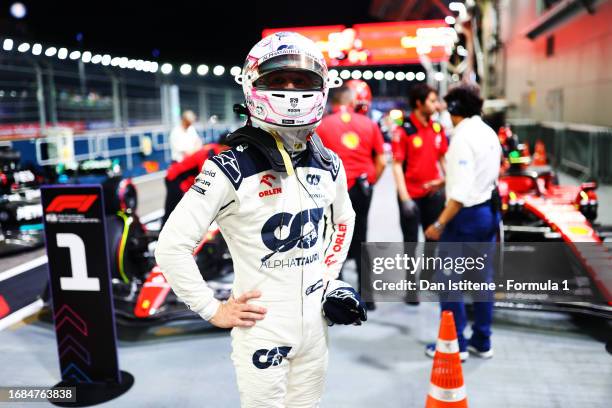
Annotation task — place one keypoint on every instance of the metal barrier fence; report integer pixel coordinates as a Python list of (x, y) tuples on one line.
[(583, 150)]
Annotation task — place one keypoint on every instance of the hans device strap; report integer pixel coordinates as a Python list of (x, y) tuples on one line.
[(268, 146)]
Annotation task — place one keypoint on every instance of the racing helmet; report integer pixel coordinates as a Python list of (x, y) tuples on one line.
[(291, 113), (362, 95)]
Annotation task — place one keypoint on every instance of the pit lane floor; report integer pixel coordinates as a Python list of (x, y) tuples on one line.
[(541, 360)]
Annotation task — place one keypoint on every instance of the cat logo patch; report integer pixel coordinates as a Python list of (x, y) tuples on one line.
[(417, 141), (350, 140)]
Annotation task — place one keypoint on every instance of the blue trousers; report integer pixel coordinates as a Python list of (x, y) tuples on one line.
[(473, 224)]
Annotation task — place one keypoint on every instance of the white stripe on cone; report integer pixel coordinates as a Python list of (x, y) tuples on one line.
[(447, 346), (447, 395)]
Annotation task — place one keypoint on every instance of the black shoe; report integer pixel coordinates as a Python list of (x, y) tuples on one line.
[(412, 302), (370, 306)]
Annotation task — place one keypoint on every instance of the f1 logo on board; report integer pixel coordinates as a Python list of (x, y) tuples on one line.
[(313, 179), (78, 202), (283, 231), (273, 357)]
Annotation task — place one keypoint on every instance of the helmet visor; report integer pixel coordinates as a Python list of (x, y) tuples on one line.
[(291, 71)]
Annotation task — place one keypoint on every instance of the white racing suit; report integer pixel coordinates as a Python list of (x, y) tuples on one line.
[(280, 219)]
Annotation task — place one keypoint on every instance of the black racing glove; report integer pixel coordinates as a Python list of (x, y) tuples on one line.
[(409, 208), (342, 304)]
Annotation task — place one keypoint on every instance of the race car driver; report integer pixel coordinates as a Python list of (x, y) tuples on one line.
[(270, 211), (359, 143)]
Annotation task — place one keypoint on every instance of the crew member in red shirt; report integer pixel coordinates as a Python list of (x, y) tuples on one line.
[(359, 143), (180, 175), (419, 146)]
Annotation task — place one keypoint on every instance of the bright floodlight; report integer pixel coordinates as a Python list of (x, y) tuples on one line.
[(333, 73), (50, 51), (356, 74), (106, 59), (202, 69), (400, 76), (218, 70), (18, 10), (410, 76), (439, 76), (185, 69), (86, 57), (456, 6), (450, 20), (7, 45), (23, 47), (36, 49), (139, 65), (96, 59), (235, 70), (62, 53), (115, 61), (378, 75), (154, 67), (368, 75), (75, 55), (131, 64), (389, 75), (123, 62), (420, 76), (345, 74), (166, 68)]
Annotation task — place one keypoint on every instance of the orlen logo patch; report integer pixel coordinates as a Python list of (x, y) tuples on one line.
[(79, 202), (265, 179)]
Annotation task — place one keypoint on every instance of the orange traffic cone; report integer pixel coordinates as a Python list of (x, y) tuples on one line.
[(539, 154), (447, 389)]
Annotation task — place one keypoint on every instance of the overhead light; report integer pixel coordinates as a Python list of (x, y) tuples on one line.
[(185, 69), (166, 68), (356, 74), (115, 61), (439, 76), (96, 59), (455, 77), (131, 64), (368, 75), (75, 55), (106, 59), (86, 57), (23, 47), (333, 73), (450, 20), (400, 76), (36, 49), (218, 70), (139, 65), (202, 69), (123, 62), (378, 75), (154, 67), (235, 70), (7, 44), (50, 51), (410, 76), (345, 74), (389, 75), (18, 10), (420, 76), (62, 53)]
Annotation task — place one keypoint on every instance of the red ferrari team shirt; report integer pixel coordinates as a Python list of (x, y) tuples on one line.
[(186, 170), (419, 148), (356, 139)]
